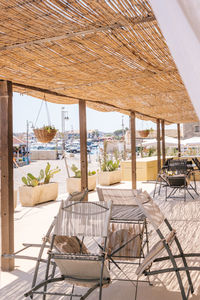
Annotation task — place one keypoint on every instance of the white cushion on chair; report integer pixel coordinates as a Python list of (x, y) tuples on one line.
[(154, 253), (129, 234), (84, 273)]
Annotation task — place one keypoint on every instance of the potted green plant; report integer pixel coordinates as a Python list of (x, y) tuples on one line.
[(110, 171), (74, 183), (45, 134), (39, 189)]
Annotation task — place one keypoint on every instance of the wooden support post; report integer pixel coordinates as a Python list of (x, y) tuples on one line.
[(133, 149), (6, 168), (179, 140), (158, 145), (83, 145), (163, 141)]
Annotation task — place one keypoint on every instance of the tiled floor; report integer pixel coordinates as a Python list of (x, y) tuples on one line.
[(32, 223)]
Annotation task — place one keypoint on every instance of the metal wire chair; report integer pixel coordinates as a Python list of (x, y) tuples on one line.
[(156, 217), (77, 265)]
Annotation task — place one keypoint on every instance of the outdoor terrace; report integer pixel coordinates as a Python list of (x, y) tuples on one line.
[(31, 223)]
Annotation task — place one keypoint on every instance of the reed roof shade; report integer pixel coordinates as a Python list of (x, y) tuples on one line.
[(104, 52)]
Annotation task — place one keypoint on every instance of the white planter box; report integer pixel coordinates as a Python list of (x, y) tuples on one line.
[(108, 178), (74, 184), (30, 196)]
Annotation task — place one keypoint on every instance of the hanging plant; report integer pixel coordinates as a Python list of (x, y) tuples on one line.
[(45, 134), (144, 133)]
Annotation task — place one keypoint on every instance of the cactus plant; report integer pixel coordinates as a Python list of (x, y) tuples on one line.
[(90, 173), (50, 173), (77, 172), (109, 164), (31, 180)]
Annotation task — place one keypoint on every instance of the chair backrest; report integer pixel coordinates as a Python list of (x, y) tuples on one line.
[(83, 219), (118, 196), (178, 165), (150, 209)]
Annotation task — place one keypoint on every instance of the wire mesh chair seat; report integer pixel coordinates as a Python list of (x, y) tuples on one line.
[(167, 237), (77, 265)]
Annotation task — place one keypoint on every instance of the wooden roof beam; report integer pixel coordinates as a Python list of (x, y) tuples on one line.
[(133, 21), (48, 92)]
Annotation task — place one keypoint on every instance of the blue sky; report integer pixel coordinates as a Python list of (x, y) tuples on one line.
[(27, 108)]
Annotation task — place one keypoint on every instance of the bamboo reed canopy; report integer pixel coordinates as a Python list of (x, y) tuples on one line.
[(104, 52)]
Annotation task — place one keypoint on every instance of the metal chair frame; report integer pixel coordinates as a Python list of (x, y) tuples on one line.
[(181, 255), (131, 214), (179, 167), (50, 276)]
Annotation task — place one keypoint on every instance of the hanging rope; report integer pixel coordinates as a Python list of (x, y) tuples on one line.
[(39, 113), (47, 111)]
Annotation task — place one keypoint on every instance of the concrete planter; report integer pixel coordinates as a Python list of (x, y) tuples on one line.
[(74, 184), (108, 178), (30, 196)]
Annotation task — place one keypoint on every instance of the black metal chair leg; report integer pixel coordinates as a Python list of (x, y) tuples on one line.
[(189, 193), (48, 266), (102, 267), (72, 292), (89, 291)]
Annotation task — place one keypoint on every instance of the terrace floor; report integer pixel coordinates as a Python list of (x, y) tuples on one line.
[(31, 223)]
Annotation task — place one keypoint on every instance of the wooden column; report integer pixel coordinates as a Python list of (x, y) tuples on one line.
[(83, 144), (6, 193), (133, 149), (179, 140), (163, 141), (158, 145)]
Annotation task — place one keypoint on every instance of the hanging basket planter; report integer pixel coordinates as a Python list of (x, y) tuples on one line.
[(144, 133), (45, 134)]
